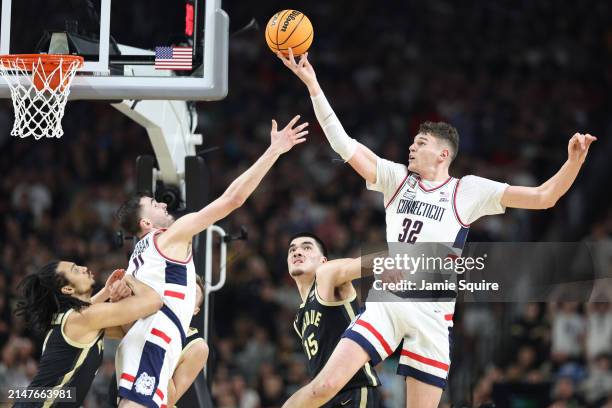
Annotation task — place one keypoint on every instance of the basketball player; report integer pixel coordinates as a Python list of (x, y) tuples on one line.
[(150, 350), (192, 361), (329, 304), (57, 299), (423, 204)]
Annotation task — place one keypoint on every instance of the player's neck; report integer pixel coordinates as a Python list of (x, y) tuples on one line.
[(304, 283), (434, 175), (85, 297)]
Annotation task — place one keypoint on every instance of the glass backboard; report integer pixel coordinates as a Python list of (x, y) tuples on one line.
[(139, 49)]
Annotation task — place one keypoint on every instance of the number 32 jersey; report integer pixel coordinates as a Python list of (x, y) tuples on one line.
[(421, 211)]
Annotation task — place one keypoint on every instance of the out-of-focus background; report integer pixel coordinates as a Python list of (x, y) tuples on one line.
[(517, 79)]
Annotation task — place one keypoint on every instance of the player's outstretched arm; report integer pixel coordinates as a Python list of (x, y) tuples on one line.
[(236, 194), (340, 271), (102, 315), (547, 194), (362, 159)]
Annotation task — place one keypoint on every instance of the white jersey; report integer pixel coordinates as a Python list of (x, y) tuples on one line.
[(173, 280), (418, 211)]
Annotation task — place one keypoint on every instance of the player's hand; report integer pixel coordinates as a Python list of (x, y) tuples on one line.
[(283, 140), (117, 275), (301, 69), (119, 290), (578, 147)]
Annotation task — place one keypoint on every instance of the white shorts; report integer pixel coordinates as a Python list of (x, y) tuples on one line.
[(147, 356), (424, 328)]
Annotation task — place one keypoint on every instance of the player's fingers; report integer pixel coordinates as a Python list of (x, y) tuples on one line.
[(291, 57), (582, 142), (301, 134), (300, 127), (292, 122), (298, 141), (274, 126)]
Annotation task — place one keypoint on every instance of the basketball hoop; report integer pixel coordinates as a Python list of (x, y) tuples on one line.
[(40, 85)]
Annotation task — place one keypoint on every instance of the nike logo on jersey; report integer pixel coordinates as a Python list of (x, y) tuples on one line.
[(345, 402)]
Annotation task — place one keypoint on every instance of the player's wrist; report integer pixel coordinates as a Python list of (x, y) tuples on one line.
[(313, 88), (273, 151)]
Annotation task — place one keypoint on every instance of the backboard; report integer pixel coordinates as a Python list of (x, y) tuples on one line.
[(119, 43)]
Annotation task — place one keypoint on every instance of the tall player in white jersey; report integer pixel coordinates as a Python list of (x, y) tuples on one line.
[(162, 259), (423, 204)]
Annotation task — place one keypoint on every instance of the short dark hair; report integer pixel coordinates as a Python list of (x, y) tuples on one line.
[(443, 131), (129, 214), (41, 297), (317, 240)]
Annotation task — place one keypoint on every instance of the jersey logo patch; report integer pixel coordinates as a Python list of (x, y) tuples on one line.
[(145, 384), (345, 402), (444, 196), (409, 195)]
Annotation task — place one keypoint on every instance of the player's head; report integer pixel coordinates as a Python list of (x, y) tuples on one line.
[(56, 287), (436, 144), (141, 213), (199, 294), (306, 252)]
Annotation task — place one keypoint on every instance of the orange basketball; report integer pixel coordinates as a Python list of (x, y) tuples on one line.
[(289, 29)]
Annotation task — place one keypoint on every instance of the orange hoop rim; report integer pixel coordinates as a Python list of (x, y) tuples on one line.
[(49, 61)]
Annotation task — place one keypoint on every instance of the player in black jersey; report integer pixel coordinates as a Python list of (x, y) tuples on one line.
[(58, 299), (329, 305)]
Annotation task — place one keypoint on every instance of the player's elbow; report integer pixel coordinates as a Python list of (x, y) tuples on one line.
[(547, 200), (153, 303), (234, 200), (324, 389)]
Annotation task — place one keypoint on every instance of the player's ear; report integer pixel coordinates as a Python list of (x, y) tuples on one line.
[(145, 224), (67, 290), (323, 259), (444, 155)]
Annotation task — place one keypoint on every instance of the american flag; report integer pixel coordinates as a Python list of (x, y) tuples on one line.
[(173, 58)]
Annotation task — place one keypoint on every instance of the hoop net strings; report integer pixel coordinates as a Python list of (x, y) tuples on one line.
[(39, 97)]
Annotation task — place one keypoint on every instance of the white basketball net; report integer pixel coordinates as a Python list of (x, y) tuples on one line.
[(38, 112)]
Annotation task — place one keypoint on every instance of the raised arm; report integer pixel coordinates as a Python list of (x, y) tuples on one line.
[(236, 194), (362, 159), (547, 194)]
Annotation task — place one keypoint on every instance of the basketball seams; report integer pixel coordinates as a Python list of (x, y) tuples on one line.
[(278, 27), (271, 41), (297, 45), (292, 31)]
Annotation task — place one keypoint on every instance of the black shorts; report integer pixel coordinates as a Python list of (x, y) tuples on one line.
[(364, 397)]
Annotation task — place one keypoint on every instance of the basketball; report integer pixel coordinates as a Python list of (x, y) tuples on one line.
[(289, 29)]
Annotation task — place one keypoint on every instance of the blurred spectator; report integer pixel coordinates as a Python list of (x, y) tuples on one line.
[(568, 330)]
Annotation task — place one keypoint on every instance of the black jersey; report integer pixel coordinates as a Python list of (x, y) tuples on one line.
[(65, 363), (320, 325)]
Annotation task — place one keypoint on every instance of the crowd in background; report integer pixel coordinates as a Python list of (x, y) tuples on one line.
[(517, 80)]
